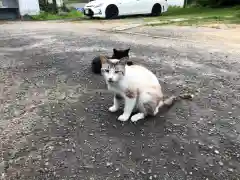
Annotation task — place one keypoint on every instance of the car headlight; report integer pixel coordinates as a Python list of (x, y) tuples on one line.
[(98, 5)]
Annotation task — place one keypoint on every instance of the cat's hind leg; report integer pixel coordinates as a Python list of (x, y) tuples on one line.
[(137, 117), (160, 104), (146, 108), (148, 105)]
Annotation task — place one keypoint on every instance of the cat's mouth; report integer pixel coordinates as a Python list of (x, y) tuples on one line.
[(110, 81)]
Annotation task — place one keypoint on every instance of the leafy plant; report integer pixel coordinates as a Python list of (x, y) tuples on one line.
[(51, 16), (217, 3), (48, 7)]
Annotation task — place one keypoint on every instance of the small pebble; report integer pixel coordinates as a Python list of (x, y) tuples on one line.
[(132, 170), (211, 165), (117, 169), (210, 147), (108, 164)]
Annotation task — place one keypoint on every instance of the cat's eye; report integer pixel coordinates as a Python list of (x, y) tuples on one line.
[(107, 70), (117, 71)]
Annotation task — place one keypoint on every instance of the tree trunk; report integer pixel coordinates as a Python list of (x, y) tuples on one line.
[(55, 6), (185, 3)]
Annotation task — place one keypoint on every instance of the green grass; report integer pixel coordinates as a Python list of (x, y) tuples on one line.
[(199, 15), (48, 16)]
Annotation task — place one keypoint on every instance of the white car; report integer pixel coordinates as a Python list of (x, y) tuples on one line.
[(113, 8)]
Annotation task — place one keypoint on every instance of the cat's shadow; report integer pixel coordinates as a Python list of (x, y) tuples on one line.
[(158, 119), (149, 124)]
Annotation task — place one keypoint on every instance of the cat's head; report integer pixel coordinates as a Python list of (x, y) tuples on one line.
[(118, 53), (113, 70)]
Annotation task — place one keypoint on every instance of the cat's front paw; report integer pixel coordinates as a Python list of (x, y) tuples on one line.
[(137, 117), (123, 117), (113, 108)]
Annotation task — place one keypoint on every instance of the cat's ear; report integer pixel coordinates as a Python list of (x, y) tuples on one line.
[(114, 51), (127, 50), (103, 59)]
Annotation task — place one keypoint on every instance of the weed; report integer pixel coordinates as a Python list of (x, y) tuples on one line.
[(48, 16), (199, 15)]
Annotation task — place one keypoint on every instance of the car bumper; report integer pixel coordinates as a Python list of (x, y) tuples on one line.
[(93, 12)]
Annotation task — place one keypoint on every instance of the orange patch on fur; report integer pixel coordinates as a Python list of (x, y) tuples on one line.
[(103, 59), (130, 94)]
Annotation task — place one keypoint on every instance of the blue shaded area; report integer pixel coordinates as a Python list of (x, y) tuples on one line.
[(79, 9)]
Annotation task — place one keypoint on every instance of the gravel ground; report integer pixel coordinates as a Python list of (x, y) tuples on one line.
[(54, 122)]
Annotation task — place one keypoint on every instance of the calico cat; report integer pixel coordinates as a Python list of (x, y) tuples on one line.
[(117, 54), (138, 86)]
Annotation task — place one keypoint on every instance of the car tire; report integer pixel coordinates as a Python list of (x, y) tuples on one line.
[(111, 12), (156, 10)]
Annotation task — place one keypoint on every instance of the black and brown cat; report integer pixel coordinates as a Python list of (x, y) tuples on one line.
[(117, 54)]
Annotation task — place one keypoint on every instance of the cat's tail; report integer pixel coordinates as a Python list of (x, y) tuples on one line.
[(171, 100)]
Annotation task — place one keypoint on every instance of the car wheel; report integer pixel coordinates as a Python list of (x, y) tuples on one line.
[(156, 10), (111, 12)]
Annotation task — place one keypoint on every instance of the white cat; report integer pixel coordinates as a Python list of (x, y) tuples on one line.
[(138, 86)]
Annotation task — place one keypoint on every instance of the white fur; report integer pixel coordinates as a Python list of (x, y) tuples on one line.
[(115, 106), (115, 60), (137, 79), (128, 108), (137, 117)]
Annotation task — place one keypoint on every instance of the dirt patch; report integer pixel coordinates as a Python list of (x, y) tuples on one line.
[(221, 26), (227, 34), (202, 36)]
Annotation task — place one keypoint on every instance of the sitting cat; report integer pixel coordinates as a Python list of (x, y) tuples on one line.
[(117, 54), (138, 86)]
